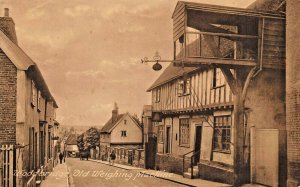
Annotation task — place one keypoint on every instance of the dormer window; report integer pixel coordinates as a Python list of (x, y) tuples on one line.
[(183, 87)]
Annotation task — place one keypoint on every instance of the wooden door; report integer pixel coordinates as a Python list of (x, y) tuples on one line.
[(265, 156), (198, 138), (168, 140)]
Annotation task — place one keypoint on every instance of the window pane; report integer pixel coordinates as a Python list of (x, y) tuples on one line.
[(222, 133)]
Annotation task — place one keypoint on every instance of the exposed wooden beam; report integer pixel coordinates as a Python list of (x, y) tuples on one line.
[(232, 82), (201, 25), (247, 82), (197, 61), (225, 35)]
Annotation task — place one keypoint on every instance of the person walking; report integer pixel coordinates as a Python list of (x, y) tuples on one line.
[(112, 157), (61, 157)]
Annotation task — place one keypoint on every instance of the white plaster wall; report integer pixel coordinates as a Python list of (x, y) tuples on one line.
[(134, 133)]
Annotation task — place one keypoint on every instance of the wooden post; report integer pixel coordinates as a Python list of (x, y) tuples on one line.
[(1, 167), (238, 133)]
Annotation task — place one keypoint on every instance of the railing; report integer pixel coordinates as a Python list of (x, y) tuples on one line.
[(230, 46), (192, 163), (6, 165)]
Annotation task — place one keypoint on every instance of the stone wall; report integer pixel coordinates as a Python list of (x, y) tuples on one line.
[(172, 164), (216, 172)]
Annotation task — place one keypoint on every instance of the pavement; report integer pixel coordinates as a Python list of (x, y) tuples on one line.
[(167, 176), (58, 177)]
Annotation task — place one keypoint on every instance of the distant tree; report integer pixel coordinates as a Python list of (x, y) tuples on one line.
[(80, 142), (88, 140)]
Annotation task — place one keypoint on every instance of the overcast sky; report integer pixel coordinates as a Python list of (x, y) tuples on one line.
[(89, 51)]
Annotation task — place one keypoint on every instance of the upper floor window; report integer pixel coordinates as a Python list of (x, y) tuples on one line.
[(218, 78), (39, 101), (222, 133), (123, 133), (33, 94), (125, 122), (183, 87), (156, 95), (184, 132), (160, 136)]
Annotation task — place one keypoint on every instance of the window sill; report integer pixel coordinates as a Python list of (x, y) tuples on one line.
[(182, 95), (183, 145), (216, 87), (222, 151)]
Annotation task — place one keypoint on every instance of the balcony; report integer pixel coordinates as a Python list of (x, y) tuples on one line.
[(230, 47), (209, 34)]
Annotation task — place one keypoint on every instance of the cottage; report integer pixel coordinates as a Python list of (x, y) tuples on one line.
[(122, 131), (223, 95), (71, 148), (27, 112)]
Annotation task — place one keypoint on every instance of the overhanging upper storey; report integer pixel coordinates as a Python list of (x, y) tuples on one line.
[(210, 34)]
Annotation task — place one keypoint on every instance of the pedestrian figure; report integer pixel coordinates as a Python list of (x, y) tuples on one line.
[(61, 157), (112, 157)]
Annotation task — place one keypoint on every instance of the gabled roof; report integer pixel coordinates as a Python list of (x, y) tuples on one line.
[(227, 10), (169, 74), (23, 62), (18, 57), (72, 139), (110, 125)]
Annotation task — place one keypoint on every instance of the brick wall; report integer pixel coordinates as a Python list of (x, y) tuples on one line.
[(8, 91), (293, 92)]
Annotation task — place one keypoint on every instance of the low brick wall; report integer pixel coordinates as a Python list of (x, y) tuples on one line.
[(171, 163), (216, 172)]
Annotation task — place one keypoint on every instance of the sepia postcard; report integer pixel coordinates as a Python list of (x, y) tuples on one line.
[(149, 93)]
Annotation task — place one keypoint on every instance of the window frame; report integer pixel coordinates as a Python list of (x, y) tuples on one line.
[(160, 134), (157, 95), (218, 80), (184, 87), (184, 130), (222, 138), (123, 133), (39, 101), (33, 94)]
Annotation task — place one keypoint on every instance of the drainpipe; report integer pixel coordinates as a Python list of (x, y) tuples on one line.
[(261, 45)]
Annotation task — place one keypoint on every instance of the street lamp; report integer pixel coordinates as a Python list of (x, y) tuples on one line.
[(156, 58)]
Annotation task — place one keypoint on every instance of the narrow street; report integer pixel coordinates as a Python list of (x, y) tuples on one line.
[(88, 173)]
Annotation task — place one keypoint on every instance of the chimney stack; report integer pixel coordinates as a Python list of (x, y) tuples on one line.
[(7, 26), (6, 12), (115, 113)]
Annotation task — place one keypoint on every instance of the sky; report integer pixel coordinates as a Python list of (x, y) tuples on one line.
[(89, 51)]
